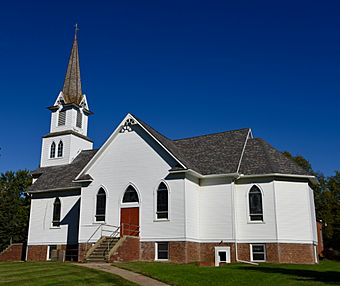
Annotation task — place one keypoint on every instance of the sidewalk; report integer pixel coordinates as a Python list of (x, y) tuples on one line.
[(126, 274)]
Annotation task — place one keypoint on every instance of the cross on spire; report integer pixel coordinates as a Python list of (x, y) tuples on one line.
[(76, 29)]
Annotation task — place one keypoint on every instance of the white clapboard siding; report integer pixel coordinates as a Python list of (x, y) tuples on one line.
[(191, 210), (41, 231), (72, 145), (247, 230), (294, 215), (130, 160), (215, 212), (70, 122)]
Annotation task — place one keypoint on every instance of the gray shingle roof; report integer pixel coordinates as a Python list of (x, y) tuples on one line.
[(217, 153), (261, 158), (220, 153), (62, 176)]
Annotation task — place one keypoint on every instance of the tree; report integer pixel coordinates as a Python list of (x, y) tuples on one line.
[(14, 207)]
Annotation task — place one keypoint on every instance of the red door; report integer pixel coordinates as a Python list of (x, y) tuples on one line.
[(129, 221)]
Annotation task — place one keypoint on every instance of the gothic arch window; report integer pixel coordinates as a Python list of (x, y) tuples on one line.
[(101, 205), (56, 212), (255, 204), (162, 207), (52, 150), (60, 149), (130, 195)]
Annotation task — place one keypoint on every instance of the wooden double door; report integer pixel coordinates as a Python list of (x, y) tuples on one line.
[(129, 221)]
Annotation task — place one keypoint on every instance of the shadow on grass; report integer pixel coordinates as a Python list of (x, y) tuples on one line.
[(328, 277)]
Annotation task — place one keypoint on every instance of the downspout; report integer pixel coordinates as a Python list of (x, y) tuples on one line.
[(235, 224), (233, 199)]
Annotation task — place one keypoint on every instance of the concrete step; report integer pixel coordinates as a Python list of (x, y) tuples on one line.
[(100, 253), (89, 260)]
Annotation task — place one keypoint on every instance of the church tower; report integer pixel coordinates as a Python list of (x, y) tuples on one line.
[(69, 119)]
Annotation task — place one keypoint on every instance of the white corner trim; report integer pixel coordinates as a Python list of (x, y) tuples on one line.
[(243, 149)]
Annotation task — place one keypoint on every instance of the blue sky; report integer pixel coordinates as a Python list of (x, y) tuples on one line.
[(185, 67)]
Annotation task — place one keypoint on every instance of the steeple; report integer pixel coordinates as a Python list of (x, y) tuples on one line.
[(69, 118), (72, 92)]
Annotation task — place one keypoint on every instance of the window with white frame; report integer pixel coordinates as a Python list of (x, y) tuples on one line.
[(130, 195), (60, 149), (162, 207), (162, 250), (258, 252), (255, 204), (51, 248), (52, 150), (56, 212), (101, 205)]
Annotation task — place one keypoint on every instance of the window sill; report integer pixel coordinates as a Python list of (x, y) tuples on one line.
[(256, 222), (99, 222), (161, 220), (129, 205), (55, 227), (161, 260)]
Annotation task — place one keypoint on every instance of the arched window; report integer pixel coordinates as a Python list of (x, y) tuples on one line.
[(101, 205), (130, 195), (255, 204), (162, 202), (60, 149), (52, 150), (56, 212)]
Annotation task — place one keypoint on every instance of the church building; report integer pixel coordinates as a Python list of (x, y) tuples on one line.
[(211, 199)]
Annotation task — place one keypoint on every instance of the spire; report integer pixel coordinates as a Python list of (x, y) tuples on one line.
[(72, 84)]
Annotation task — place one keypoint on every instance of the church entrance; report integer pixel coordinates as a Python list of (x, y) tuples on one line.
[(129, 221), (129, 213)]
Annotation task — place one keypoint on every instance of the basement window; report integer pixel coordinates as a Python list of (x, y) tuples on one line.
[(51, 248), (258, 252), (162, 250)]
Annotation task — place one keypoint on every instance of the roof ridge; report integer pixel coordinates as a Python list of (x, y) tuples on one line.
[(149, 126), (210, 134), (243, 151)]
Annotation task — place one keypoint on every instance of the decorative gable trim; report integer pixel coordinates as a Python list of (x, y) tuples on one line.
[(124, 126)]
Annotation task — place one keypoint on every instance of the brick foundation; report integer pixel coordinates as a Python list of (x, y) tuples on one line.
[(36, 252), (82, 249), (128, 250), (12, 252), (204, 253), (131, 249), (296, 253)]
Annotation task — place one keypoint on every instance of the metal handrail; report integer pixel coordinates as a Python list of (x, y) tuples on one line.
[(101, 233), (130, 227), (113, 235)]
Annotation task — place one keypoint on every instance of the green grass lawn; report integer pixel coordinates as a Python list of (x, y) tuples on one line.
[(51, 273), (326, 273)]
